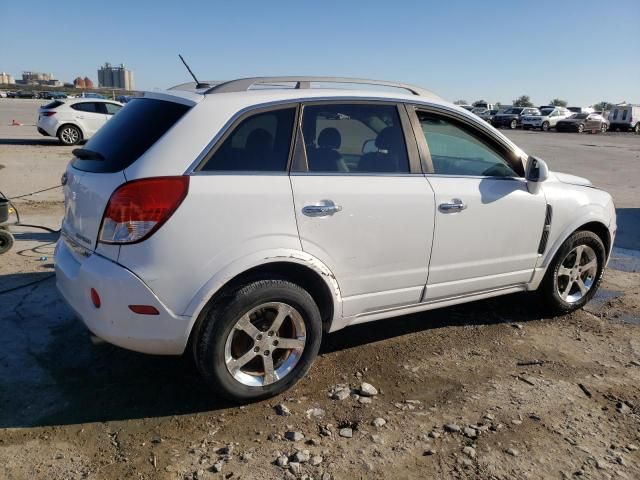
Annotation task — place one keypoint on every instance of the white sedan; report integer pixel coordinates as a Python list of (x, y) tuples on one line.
[(75, 120)]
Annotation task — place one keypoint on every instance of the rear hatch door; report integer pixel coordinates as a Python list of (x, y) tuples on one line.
[(98, 167)]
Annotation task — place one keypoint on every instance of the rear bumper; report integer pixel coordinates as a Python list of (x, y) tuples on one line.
[(163, 334)]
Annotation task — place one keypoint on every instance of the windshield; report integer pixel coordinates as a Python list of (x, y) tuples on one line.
[(513, 111), (479, 110)]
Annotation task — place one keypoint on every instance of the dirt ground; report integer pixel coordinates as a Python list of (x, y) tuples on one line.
[(490, 389)]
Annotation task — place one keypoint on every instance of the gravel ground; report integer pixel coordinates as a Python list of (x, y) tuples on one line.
[(491, 389)]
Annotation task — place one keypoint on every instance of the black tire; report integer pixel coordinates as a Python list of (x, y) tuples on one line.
[(580, 128), (545, 126), (513, 124), (549, 287), (6, 241), (69, 134), (637, 128), (603, 128), (218, 321)]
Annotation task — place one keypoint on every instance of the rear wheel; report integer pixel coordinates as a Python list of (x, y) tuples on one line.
[(603, 128), (637, 128), (574, 275), (6, 241), (258, 340), (69, 135), (545, 126), (580, 128), (513, 125)]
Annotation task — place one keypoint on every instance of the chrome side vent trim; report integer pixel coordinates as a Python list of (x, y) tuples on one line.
[(545, 231)]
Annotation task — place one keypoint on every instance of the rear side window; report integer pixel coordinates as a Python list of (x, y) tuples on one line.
[(624, 114), (354, 138), (130, 133), (112, 108), (90, 107), (54, 104), (259, 143)]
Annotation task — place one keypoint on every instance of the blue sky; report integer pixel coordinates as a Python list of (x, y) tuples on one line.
[(582, 51)]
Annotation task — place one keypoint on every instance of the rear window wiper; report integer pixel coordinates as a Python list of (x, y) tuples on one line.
[(85, 154)]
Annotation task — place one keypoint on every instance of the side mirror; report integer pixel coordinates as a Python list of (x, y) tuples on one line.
[(535, 173)]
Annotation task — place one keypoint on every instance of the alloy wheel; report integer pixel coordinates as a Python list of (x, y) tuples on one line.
[(577, 273), (69, 135), (265, 344)]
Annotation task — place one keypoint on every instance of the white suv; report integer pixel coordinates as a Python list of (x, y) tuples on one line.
[(547, 119), (243, 222), (75, 120)]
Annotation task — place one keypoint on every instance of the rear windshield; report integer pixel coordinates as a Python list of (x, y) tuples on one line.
[(130, 133), (51, 105)]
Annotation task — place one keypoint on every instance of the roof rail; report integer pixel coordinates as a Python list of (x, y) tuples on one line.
[(244, 84)]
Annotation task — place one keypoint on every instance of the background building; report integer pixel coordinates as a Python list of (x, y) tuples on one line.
[(6, 78), (115, 77), (38, 78)]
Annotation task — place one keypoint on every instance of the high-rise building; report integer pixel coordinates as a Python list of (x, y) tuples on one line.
[(6, 78), (115, 77)]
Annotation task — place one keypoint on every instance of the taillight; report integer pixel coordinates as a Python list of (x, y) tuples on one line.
[(48, 113), (138, 208)]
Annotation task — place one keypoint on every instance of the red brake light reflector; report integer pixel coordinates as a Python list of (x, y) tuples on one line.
[(48, 113), (95, 298), (138, 208), (144, 309)]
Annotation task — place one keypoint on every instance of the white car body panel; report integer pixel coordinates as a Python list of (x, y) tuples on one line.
[(492, 243), (385, 259), (388, 252)]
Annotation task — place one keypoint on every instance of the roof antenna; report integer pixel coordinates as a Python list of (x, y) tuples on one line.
[(198, 84)]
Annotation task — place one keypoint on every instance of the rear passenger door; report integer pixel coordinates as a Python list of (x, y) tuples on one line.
[(90, 115), (362, 204)]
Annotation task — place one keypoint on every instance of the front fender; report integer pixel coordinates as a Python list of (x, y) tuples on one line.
[(241, 265)]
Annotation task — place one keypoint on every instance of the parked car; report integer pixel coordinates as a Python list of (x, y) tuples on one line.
[(3, 94), (581, 109), (244, 223), (579, 122), (625, 118), (73, 121), (26, 94), (512, 117), (57, 95), (93, 95), (546, 119), (482, 112)]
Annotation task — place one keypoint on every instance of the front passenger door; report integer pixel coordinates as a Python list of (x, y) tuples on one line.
[(487, 224)]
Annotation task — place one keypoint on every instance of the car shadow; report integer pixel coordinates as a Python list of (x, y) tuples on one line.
[(628, 235), (53, 372)]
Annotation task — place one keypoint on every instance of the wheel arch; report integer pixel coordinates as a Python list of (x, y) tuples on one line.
[(297, 267)]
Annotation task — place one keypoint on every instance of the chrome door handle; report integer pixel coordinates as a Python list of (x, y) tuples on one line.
[(456, 205), (321, 210)]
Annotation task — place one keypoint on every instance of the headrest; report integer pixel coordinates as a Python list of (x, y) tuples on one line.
[(330, 138)]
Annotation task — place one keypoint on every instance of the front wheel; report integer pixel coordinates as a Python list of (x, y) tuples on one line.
[(513, 125), (603, 128), (545, 126), (574, 275), (637, 128), (580, 128), (258, 340)]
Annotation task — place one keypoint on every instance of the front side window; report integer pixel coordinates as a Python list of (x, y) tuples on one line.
[(259, 143), (354, 138), (456, 151)]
